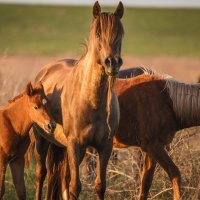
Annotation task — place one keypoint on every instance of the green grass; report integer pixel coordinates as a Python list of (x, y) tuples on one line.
[(50, 30)]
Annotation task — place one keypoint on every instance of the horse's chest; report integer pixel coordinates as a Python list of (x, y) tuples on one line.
[(92, 130), (87, 123)]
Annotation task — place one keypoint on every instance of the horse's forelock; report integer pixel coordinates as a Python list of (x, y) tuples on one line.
[(108, 26), (113, 29)]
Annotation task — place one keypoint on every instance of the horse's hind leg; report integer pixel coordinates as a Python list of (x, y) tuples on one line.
[(41, 149), (104, 155), (3, 165), (147, 177), (158, 153), (17, 170)]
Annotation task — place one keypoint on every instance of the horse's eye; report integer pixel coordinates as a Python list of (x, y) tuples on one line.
[(36, 107)]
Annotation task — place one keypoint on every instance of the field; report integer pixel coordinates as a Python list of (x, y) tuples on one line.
[(54, 30), (163, 39)]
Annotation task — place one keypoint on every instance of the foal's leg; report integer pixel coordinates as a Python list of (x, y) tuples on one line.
[(104, 155), (158, 153), (41, 149), (3, 165), (147, 177), (17, 170)]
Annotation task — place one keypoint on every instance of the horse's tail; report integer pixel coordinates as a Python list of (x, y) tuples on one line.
[(29, 153), (56, 169)]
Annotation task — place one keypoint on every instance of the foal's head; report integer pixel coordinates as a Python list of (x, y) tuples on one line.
[(39, 108), (106, 38)]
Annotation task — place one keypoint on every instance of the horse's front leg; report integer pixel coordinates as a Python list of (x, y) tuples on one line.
[(17, 170), (3, 164), (74, 158), (104, 155), (41, 149)]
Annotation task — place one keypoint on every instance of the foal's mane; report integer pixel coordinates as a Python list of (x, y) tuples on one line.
[(16, 98), (35, 91)]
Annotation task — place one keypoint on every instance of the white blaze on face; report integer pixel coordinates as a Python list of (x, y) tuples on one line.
[(44, 101)]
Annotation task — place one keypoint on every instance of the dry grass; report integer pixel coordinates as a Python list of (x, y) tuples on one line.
[(123, 175)]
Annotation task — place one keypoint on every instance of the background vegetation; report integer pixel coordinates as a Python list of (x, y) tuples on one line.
[(59, 29)]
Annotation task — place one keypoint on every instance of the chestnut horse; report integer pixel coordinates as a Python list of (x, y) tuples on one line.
[(153, 107), (152, 110), (84, 101), (16, 119)]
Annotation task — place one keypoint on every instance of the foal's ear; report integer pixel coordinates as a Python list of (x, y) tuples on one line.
[(96, 9), (119, 10), (29, 89)]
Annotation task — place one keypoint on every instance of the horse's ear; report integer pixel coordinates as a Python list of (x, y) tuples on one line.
[(119, 10), (29, 89), (96, 9)]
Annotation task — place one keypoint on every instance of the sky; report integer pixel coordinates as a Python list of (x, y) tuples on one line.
[(138, 3)]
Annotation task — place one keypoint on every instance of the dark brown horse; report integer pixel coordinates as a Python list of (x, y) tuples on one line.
[(84, 101), (16, 119)]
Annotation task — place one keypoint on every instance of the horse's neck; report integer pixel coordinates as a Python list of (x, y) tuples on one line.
[(17, 113), (94, 86)]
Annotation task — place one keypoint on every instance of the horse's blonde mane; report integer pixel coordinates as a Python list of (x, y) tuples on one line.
[(186, 101), (113, 30), (113, 34), (156, 73), (185, 97)]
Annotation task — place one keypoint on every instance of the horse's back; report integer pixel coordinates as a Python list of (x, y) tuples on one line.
[(130, 72), (53, 77), (55, 69)]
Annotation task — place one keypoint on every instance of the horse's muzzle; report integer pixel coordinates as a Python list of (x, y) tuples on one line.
[(50, 127), (113, 65)]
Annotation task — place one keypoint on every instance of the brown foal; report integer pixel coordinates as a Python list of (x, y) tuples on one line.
[(16, 119)]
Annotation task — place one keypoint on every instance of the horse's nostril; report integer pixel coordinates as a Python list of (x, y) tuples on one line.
[(120, 62), (49, 126), (113, 61), (53, 123), (108, 61)]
